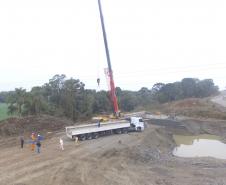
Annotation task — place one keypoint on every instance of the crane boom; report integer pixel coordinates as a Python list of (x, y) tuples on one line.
[(112, 84)]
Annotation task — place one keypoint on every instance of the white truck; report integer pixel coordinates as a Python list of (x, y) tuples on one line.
[(95, 130)]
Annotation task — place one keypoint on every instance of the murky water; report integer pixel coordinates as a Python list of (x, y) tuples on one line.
[(199, 146)]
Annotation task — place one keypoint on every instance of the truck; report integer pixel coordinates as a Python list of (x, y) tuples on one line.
[(95, 130)]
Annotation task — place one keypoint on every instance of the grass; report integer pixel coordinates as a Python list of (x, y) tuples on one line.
[(3, 111)]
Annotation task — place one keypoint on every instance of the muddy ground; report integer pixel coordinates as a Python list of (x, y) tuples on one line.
[(129, 159)]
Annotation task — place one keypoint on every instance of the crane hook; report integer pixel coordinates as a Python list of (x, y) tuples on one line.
[(98, 82)]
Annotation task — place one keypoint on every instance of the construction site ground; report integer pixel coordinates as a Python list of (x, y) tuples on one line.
[(129, 159)]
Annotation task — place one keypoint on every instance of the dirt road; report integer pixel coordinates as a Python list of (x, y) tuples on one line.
[(133, 159)]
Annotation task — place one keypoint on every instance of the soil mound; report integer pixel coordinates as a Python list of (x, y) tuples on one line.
[(37, 124), (195, 107)]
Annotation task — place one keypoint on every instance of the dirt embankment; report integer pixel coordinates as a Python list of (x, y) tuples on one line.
[(38, 124), (193, 107), (220, 99)]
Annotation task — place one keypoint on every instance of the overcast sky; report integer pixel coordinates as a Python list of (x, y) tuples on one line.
[(150, 41)]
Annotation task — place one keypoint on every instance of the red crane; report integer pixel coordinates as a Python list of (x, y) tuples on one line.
[(112, 84)]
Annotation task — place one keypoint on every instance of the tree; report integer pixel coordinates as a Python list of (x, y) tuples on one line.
[(16, 100), (167, 93), (144, 97), (68, 101), (155, 91), (35, 103), (3, 97), (128, 101), (189, 87), (55, 89), (206, 88), (102, 103), (157, 87)]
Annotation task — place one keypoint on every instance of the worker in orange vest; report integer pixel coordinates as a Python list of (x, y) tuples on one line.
[(33, 139)]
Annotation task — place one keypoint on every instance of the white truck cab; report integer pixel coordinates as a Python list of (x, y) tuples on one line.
[(137, 123)]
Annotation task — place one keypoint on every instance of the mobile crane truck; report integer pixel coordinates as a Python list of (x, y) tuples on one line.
[(94, 130)]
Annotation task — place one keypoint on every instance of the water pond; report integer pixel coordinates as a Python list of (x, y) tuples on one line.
[(199, 146)]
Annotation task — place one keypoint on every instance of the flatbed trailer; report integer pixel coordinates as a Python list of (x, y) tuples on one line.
[(95, 130)]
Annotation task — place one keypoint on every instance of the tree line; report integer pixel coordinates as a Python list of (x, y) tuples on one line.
[(69, 98), (187, 88)]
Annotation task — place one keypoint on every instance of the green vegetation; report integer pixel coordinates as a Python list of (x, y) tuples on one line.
[(69, 98), (187, 88), (3, 111)]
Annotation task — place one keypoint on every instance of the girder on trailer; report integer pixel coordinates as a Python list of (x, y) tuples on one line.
[(96, 128)]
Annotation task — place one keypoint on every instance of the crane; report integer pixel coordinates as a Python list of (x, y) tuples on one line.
[(110, 72)]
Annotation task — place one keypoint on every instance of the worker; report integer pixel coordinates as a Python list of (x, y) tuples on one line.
[(76, 139), (61, 144), (33, 139), (40, 138), (38, 144), (21, 141)]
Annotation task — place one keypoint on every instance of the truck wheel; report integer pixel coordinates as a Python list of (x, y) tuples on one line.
[(118, 131), (139, 129), (82, 137), (125, 131), (95, 135), (89, 136)]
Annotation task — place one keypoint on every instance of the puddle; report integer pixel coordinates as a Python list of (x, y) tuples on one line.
[(199, 146)]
